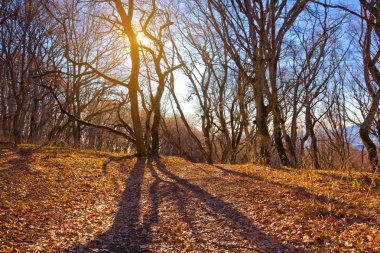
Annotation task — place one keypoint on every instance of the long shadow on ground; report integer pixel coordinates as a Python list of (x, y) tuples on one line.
[(299, 191), (250, 232), (128, 234)]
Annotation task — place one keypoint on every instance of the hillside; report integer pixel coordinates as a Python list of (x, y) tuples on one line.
[(67, 200)]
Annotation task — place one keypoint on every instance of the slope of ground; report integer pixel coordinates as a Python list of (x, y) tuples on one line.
[(63, 200)]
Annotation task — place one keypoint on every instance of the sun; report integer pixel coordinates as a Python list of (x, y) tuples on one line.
[(142, 39)]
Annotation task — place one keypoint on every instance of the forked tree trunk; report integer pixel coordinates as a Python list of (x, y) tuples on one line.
[(133, 81), (310, 133)]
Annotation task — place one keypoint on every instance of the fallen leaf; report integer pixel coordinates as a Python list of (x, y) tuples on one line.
[(377, 238)]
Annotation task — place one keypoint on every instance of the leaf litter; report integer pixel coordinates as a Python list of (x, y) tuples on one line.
[(69, 200)]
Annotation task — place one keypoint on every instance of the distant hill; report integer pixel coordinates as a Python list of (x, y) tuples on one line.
[(354, 138)]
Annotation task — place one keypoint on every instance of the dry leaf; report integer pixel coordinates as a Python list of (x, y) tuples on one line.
[(377, 238)]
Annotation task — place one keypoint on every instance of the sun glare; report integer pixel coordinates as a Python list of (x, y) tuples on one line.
[(142, 39)]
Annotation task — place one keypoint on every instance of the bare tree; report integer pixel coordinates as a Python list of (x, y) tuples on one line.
[(25, 37), (255, 31)]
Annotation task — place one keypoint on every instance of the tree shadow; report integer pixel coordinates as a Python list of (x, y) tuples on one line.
[(298, 190), (114, 159), (125, 234), (181, 198), (303, 193), (128, 234), (22, 161), (240, 223), (366, 180)]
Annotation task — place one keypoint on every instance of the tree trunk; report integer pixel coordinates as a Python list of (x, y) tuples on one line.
[(33, 120), (155, 130), (136, 122), (206, 127), (17, 137), (245, 122), (277, 133), (77, 133), (314, 148), (133, 81), (364, 132), (310, 133), (262, 133), (4, 120)]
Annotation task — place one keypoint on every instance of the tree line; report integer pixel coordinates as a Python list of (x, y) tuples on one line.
[(274, 82)]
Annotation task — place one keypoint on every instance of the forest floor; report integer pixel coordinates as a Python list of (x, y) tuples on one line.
[(67, 200)]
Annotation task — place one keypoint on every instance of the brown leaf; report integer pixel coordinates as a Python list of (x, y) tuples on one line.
[(9, 250), (377, 238)]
